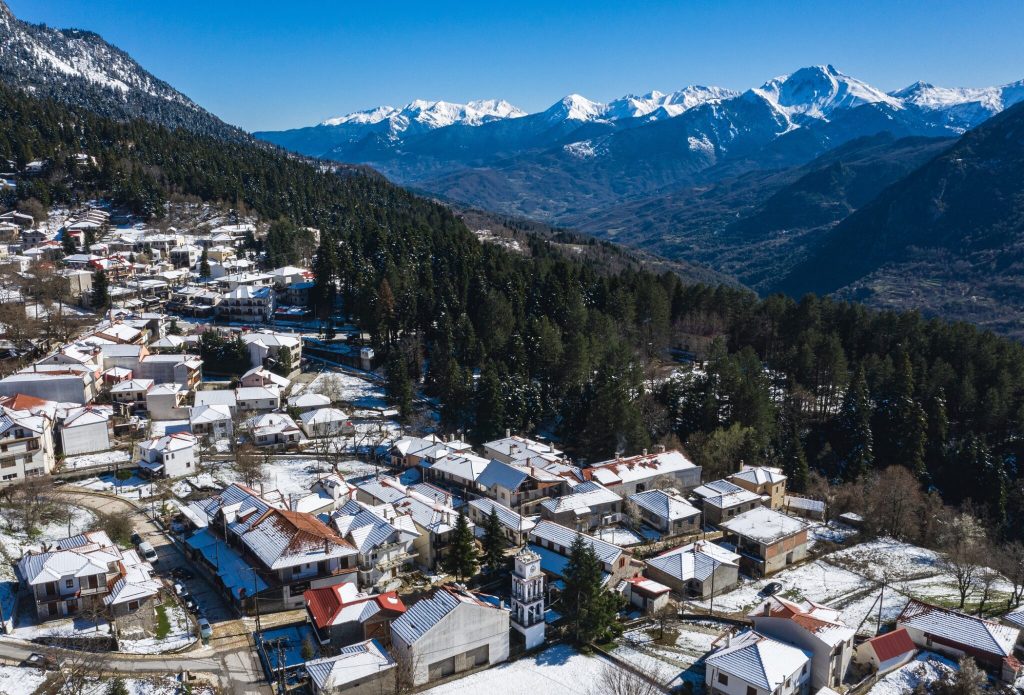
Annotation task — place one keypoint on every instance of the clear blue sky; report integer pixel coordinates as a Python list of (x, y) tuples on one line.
[(272, 65)]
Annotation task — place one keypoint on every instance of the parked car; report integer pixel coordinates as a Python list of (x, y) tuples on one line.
[(40, 661), (147, 552), (180, 590), (181, 573), (136, 539), (205, 629), (190, 604), (771, 589)]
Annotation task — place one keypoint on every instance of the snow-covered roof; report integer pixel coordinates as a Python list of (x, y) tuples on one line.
[(368, 527), (664, 504), (168, 389), (252, 393), (270, 376), (760, 475), (461, 465), (352, 665), (498, 473), (178, 441), (248, 292), (508, 517), (969, 630), (323, 416), (636, 468), (582, 499), (87, 415), (764, 525), (270, 423), (271, 339), (731, 499), (519, 448), (426, 613), (758, 660), (206, 414), (823, 622), (694, 561), (218, 397), (283, 538), (135, 584), (714, 488), (309, 400), (606, 552)]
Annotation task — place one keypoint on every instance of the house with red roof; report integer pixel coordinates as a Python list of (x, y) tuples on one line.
[(887, 652), (341, 615)]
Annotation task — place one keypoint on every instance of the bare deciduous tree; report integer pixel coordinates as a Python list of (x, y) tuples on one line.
[(964, 542), (615, 680), (249, 465)]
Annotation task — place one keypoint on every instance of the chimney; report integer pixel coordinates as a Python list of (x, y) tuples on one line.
[(660, 448), (508, 432), (645, 452)]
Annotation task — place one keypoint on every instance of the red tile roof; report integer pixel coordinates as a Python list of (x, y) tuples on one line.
[(325, 603), (892, 644)]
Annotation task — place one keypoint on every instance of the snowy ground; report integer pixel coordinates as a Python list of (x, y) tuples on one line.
[(165, 685), (619, 535), (293, 475), (16, 680), (80, 627), (350, 389), (180, 636), (927, 668), (100, 458), (673, 664), (13, 544), (560, 670), (135, 488), (832, 532)]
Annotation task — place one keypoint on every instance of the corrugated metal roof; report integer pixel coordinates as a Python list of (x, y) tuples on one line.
[(664, 504), (354, 663), (503, 475), (560, 535), (969, 630), (758, 660)]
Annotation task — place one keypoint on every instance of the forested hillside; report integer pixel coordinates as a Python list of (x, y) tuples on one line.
[(534, 340)]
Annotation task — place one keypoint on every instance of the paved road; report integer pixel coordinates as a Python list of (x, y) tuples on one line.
[(229, 656)]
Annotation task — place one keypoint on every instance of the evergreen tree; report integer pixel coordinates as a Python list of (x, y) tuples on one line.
[(398, 384), (117, 686), (909, 422), (88, 239), (67, 244), (204, 264), (324, 292), (795, 463), (100, 291), (461, 559), (493, 542), (856, 437), (588, 607), (490, 405), (284, 364)]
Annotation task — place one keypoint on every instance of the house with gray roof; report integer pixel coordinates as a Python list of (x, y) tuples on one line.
[(667, 511), (752, 664), (522, 487), (701, 569), (365, 668), (589, 506), (516, 526), (451, 632)]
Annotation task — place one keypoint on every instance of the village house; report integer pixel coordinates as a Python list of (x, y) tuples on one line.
[(647, 595), (170, 456), (257, 399), (261, 376), (121, 334), (364, 668), (167, 402), (769, 483), (326, 494), (224, 398), (955, 635), (666, 511), (86, 574), (63, 383), (701, 569), (305, 402), (518, 450), (522, 488), (211, 422), (886, 652), (432, 514), (589, 506), (459, 469), (342, 615), (326, 422), (383, 539), (552, 542), (752, 664), (26, 443), (183, 369), (254, 547), (516, 526), (633, 474), (409, 452), (85, 430), (452, 632), (265, 348), (246, 303), (767, 540), (727, 505), (272, 429), (814, 628)]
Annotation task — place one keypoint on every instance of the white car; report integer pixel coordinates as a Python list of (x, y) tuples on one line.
[(205, 629)]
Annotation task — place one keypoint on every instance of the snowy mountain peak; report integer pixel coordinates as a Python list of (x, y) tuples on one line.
[(986, 100), (575, 108), (429, 115), (819, 90)]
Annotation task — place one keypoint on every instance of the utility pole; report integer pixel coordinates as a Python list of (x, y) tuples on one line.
[(256, 597)]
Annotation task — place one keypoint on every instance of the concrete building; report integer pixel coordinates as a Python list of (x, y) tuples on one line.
[(886, 652), (767, 540), (752, 664), (769, 483), (306, 402), (327, 422), (516, 526), (633, 474), (131, 393), (460, 469), (666, 511), (520, 487), (647, 595), (589, 506), (519, 451), (170, 456), (814, 628), (183, 369), (359, 669), (246, 303), (265, 348), (211, 422), (224, 398), (62, 383), (257, 399), (167, 402), (342, 615), (261, 376), (273, 429), (552, 542), (383, 538), (452, 632), (85, 430), (699, 570), (26, 444)]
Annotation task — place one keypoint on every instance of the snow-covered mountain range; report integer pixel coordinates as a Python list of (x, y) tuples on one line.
[(80, 68)]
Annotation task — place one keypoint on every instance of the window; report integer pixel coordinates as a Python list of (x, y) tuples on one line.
[(751, 690), (723, 679), (69, 583)]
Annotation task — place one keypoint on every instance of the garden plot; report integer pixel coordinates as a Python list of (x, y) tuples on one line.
[(14, 543), (99, 458), (358, 392), (15, 680), (620, 536), (674, 660), (178, 636), (818, 581), (132, 487), (293, 475), (927, 668), (559, 670)]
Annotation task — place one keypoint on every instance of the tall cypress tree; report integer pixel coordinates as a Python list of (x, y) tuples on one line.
[(204, 264), (909, 420), (493, 541), (855, 429), (399, 385), (461, 559), (100, 290), (588, 607)]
